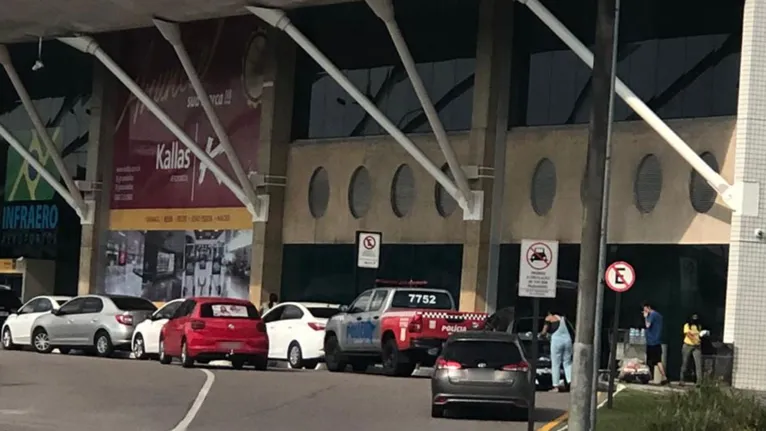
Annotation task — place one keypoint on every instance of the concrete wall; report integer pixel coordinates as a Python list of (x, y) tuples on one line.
[(672, 221)]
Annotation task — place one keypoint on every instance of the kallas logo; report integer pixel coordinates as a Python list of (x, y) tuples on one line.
[(173, 157)]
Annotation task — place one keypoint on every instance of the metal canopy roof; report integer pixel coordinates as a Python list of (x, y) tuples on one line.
[(26, 20)]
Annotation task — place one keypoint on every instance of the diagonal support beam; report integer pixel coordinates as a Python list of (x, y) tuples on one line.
[(88, 45), (384, 9), (172, 33), (279, 20), (73, 195), (731, 195)]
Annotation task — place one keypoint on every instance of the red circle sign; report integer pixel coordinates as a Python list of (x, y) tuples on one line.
[(539, 256), (369, 242), (620, 276)]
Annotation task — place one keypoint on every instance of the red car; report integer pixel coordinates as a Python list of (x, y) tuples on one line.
[(208, 329)]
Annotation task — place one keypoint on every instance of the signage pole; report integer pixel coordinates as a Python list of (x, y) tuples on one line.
[(602, 251), (357, 244), (533, 365), (613, 349)]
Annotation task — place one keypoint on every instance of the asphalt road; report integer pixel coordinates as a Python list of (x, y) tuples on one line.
[(78, 393)]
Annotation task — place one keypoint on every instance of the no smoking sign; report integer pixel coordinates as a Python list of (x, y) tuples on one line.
[(620, 276)]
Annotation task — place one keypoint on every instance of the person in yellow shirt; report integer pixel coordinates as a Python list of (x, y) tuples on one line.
[(692, 347)]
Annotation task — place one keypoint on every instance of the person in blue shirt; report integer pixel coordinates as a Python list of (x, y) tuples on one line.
[(653, 322)]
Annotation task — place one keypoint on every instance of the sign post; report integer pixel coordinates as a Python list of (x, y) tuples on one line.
[(538, 267), (620, 277), (367, 254)]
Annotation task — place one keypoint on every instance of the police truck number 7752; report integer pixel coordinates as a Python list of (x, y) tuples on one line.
[(416, 298)]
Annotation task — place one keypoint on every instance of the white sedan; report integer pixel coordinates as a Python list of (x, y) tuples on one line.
[(146, 337), (18, 326), (296, 332)]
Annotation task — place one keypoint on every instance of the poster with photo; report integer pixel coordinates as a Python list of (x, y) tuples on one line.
[(162, 265)]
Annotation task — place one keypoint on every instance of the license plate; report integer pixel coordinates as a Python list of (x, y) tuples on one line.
[(3, 313), (230, 346)]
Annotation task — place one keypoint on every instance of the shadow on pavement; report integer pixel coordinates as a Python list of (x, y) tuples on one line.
[(495, 413)]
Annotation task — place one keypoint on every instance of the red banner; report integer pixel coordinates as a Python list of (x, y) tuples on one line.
[(152, 168)]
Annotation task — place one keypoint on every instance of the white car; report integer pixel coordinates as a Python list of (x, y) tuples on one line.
[(296, 332), (146, 337), (18, 326)]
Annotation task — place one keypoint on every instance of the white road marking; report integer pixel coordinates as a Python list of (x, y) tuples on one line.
[(192, 413)]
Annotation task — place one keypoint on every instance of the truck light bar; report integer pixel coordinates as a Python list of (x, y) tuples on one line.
[(381, 282)]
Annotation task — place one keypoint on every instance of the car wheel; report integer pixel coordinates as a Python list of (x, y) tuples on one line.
[(437, 411), (103, 344), (395, 362), (8, 340), (64, 350), (41, 342), (139, 351), (333, 356), (186, 360), (165, 359), (295, 356)]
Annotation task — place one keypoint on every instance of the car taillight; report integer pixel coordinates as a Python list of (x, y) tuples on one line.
[(260, 327), (522, 366), (125, 319), (197, 325), (416, 324), (316, 326), (443, 364)]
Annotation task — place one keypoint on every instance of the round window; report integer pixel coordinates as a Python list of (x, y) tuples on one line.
[(543, 187), (648, 184), (359, 192), (319, 192), (402, 191), (701, 195), (445, 204)]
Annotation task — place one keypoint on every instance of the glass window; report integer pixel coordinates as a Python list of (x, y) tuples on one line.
[(495, 354), (229, 311), (323, 312), (361, 303), (422, 299), (129, 303), (168, 310), (274, 314), (72, 307), (92, 305), (30, 306), (443, 47), (378, 299), (291, 313), (680, 67), (43, 305), (61, 302), (186, 309)]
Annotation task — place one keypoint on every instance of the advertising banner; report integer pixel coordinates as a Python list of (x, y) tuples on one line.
[(156, 177)]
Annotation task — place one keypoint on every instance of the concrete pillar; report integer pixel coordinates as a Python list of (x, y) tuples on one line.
[(745, 294), (273, 149), (99, 175), (481, 246)]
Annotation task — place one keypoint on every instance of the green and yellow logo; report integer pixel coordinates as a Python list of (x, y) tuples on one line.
[(22, 181)]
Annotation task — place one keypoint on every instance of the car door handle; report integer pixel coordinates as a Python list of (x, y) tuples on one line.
[(376, 317), (358, 318), (93, 320)]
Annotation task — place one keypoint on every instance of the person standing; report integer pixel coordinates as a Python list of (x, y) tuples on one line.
[(273, 300), (561, 350), (692, 347), (653, 323)]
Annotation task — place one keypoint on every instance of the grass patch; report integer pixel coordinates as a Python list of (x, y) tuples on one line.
[(707, 408), (631, 410)]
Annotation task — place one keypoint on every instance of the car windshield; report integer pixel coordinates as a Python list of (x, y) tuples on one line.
[(471, 353), (323, 312), (428, 299), (127, 303), (9, 299), (229, 311)]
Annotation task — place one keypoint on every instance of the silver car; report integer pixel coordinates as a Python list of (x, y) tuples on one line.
[(478, 367), (95, 323)]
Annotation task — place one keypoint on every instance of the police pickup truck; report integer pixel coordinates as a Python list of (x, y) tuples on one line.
[(398, 324)]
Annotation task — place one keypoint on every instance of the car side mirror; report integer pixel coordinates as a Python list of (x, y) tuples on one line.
[(56, 312), (344, 308)]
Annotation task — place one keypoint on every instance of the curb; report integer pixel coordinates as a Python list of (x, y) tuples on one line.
[(560, 423)]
